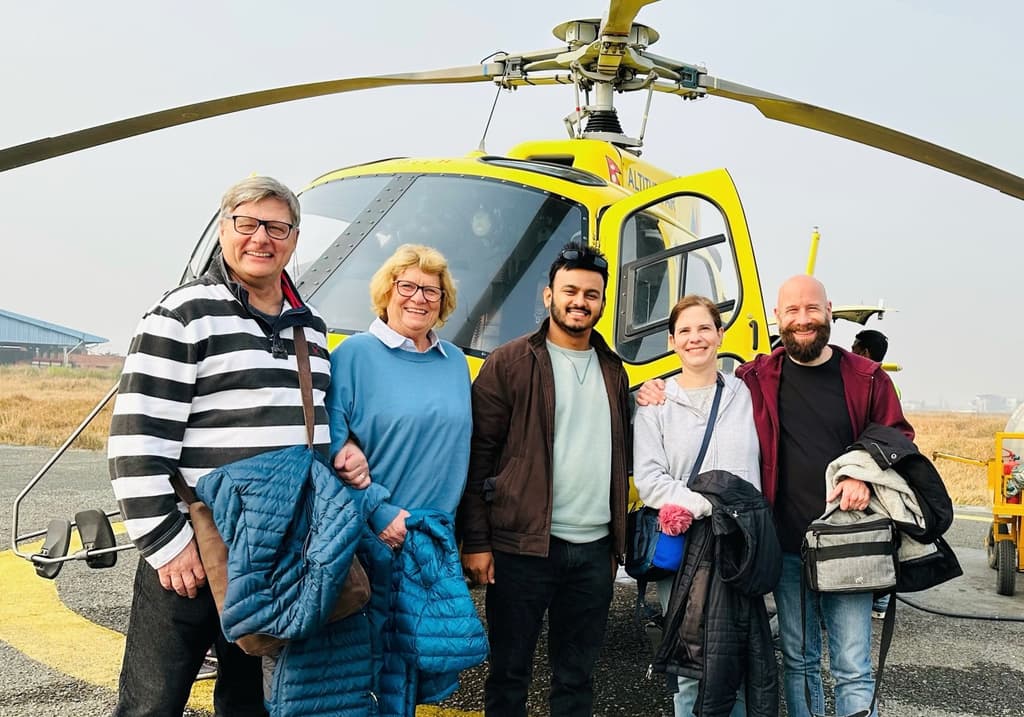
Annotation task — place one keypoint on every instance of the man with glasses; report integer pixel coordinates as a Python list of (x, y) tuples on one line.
[(210, 378), (543, 516)]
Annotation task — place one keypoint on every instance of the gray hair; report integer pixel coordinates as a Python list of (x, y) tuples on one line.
[(255, 189)]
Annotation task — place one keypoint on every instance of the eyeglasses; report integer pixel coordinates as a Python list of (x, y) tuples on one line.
[(408, 289), (575, 255), (250, 225)]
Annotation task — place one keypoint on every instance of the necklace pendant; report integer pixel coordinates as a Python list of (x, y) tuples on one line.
[(580, 378)]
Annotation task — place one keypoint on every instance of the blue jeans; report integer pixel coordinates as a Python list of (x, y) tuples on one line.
[(574, 586), (168, 636), (847, 618), (686, 691), (881, 603)]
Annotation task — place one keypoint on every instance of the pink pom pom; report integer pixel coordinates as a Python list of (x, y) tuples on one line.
[(674, 519)]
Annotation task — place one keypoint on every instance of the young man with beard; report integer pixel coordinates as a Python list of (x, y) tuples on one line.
[(542, 520), (811, 400)]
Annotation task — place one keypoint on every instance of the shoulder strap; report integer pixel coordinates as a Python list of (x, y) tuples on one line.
[(883, 647), (182, 488), (305, 381), (712, 417)]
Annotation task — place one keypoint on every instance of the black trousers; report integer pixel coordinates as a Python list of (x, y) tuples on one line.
[(574, 586), (168, 635)]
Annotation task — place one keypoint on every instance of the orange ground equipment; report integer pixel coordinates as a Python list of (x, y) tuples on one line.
[(1006, 481)]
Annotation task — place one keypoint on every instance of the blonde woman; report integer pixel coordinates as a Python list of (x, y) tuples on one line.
[(403, 393)]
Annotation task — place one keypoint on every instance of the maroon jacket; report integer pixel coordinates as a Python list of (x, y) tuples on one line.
[(870, 398)]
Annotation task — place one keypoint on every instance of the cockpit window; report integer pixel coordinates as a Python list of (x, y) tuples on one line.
[(679, 246), (499, 239), (327, 211)]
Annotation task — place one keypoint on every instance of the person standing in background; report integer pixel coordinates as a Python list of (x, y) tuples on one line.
[(874, 345)]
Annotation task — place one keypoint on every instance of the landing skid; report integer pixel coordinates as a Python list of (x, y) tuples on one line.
[(98, 545)]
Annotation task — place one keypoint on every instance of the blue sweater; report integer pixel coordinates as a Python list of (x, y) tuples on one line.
[(412, 416)]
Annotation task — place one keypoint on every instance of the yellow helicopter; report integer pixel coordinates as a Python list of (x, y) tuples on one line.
[(501, 219)]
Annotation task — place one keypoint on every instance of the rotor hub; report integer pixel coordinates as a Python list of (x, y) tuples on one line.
[(579, 33)]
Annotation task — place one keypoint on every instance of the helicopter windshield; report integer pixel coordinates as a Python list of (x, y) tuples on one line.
[(499, 239)]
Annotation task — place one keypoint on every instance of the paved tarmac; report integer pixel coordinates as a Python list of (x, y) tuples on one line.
[(60, 641)]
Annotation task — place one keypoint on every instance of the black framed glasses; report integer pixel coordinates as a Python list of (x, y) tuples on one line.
[(581, 257), (250, 225), (408, 289)]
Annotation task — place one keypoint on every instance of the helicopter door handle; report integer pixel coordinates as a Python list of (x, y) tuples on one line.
[(753, 327)]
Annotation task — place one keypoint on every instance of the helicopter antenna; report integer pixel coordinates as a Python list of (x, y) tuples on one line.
[(480, 147), (812, 257)]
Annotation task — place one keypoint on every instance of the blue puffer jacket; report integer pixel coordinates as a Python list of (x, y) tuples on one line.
[(429, 629), (292, 529)]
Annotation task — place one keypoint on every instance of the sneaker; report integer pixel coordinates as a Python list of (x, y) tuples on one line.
[(878, 614), (208, 670)]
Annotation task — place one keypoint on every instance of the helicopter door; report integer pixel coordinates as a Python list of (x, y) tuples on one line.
[(686, 236)]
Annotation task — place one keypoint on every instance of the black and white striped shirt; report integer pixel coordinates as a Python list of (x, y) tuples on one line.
[(206, 383)]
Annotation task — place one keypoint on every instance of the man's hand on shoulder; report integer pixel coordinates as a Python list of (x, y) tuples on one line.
[(852, 494), (184, 574), (479, 567), (651, 393)]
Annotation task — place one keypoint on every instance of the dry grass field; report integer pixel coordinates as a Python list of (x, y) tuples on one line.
[(41, 406), (970, 435)]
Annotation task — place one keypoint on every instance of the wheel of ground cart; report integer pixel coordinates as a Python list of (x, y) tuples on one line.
[(990, 542), (1006, 554)]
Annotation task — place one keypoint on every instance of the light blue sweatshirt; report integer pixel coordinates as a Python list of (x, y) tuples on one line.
[(667, 439), (411, 414)]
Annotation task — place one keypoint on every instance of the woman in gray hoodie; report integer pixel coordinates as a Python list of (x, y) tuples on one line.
[(667, 437)]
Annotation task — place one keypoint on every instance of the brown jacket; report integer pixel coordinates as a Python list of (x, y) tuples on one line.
[(507, 502)]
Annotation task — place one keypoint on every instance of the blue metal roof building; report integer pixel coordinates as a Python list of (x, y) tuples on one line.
[(22, 334), (18, 329)]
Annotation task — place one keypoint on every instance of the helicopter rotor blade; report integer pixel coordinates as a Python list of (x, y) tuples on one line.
[(621, 14), (799, 113), (614, 33), (50, 147)]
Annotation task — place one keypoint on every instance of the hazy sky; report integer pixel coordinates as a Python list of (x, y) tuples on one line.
[(92, 239)]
